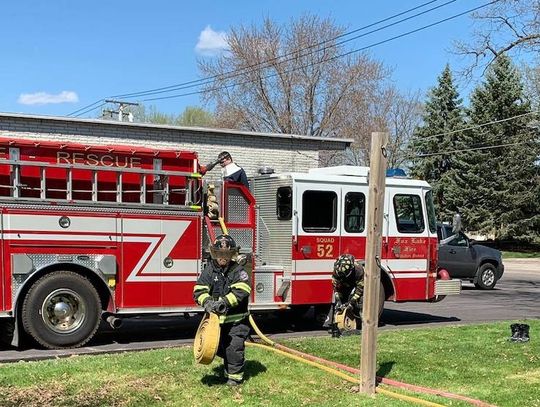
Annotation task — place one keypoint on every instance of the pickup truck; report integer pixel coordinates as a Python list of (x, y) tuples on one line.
[(465, 259)]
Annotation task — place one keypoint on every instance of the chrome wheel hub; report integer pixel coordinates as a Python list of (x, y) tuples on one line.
[(63, 311), (488, 277)]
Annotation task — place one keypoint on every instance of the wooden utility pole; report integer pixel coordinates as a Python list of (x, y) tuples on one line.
[(372, 276)]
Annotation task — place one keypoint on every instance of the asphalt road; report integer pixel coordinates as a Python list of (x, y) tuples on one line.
[(515, 297)]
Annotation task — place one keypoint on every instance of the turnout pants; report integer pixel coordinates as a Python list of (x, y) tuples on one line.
[(232, 345)]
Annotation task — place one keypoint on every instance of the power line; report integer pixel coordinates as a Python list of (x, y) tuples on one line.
[(331, 58), (293, 55), (404, 145), (88, 110), (478, 126), (471, 149), (86, 107), (185, 84)]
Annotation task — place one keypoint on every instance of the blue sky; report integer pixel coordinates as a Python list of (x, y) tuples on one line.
[(61, 55)]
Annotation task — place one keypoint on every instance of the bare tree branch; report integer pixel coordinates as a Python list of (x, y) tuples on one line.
[(507, 26)]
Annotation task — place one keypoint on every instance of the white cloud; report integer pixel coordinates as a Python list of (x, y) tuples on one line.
[(211, 42), (43, 98)]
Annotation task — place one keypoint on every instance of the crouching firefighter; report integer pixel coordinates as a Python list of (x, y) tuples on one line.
[(224, 288), (348, 285)]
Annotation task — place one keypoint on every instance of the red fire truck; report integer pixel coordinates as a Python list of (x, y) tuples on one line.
[(91, 232)]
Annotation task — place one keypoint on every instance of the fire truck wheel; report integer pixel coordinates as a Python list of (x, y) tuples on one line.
[(61, 310)]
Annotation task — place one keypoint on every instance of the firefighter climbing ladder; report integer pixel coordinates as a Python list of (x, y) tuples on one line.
[(161, 190)]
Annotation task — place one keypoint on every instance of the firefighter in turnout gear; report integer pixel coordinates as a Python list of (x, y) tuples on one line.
[(348, 284), (224, 288)]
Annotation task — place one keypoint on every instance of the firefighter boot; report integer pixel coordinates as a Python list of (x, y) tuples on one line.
[(524, 333), (336, 333), (515, 333), (233, 383)]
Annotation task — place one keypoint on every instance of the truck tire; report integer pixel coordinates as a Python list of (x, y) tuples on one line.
[(61, 310), (486, 277)]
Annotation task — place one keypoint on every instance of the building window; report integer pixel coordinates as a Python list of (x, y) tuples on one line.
[(319, 211)]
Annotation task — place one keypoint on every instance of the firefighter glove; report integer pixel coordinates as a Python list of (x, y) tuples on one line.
[(209, 305), (211, 165)]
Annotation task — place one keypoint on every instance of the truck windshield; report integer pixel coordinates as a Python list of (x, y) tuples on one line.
[(432, 218)]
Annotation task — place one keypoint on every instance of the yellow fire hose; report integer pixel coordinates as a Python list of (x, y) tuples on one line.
[(344, 320), (207, 339), (345, 376), (223, 226), (270, 345)]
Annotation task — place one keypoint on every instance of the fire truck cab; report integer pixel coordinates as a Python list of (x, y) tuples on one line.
[(306, 220)]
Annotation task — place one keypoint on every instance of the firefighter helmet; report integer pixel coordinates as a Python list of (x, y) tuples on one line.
[(224, 247), (344, 266)]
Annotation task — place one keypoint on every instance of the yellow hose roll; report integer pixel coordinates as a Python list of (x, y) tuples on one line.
[(345, 321), (207, 339)]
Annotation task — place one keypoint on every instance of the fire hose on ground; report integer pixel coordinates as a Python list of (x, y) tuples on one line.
[(207, 341)]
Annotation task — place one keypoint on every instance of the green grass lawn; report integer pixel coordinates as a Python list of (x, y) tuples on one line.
[(473, 360), (520, 255)]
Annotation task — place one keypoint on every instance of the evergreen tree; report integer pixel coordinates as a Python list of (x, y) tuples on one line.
[(443, 115), (499, 184)]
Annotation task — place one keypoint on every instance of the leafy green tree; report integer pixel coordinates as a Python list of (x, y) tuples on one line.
[(152, 115), (191, 116), (498, 169), (195, 116), (443, 117)]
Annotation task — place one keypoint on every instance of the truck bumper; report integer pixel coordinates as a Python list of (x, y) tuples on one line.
[(448, 287), (500, 271)]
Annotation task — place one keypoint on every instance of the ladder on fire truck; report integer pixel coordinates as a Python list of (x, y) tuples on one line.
[(160, 192)]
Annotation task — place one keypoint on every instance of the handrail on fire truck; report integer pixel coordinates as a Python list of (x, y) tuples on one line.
[(160, 179)]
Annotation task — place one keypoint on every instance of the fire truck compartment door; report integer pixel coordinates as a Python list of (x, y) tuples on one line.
[(406, 242), (159, 251), (87, 230)]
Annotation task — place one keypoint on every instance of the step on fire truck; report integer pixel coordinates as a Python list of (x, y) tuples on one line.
[(92, 232)]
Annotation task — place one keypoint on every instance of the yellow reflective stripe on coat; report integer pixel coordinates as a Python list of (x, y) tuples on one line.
[(242, 286), (225, 319), (201, 288), (232, 299), (202, 297)]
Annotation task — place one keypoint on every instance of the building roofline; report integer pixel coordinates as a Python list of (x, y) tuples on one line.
[(346, 141)]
